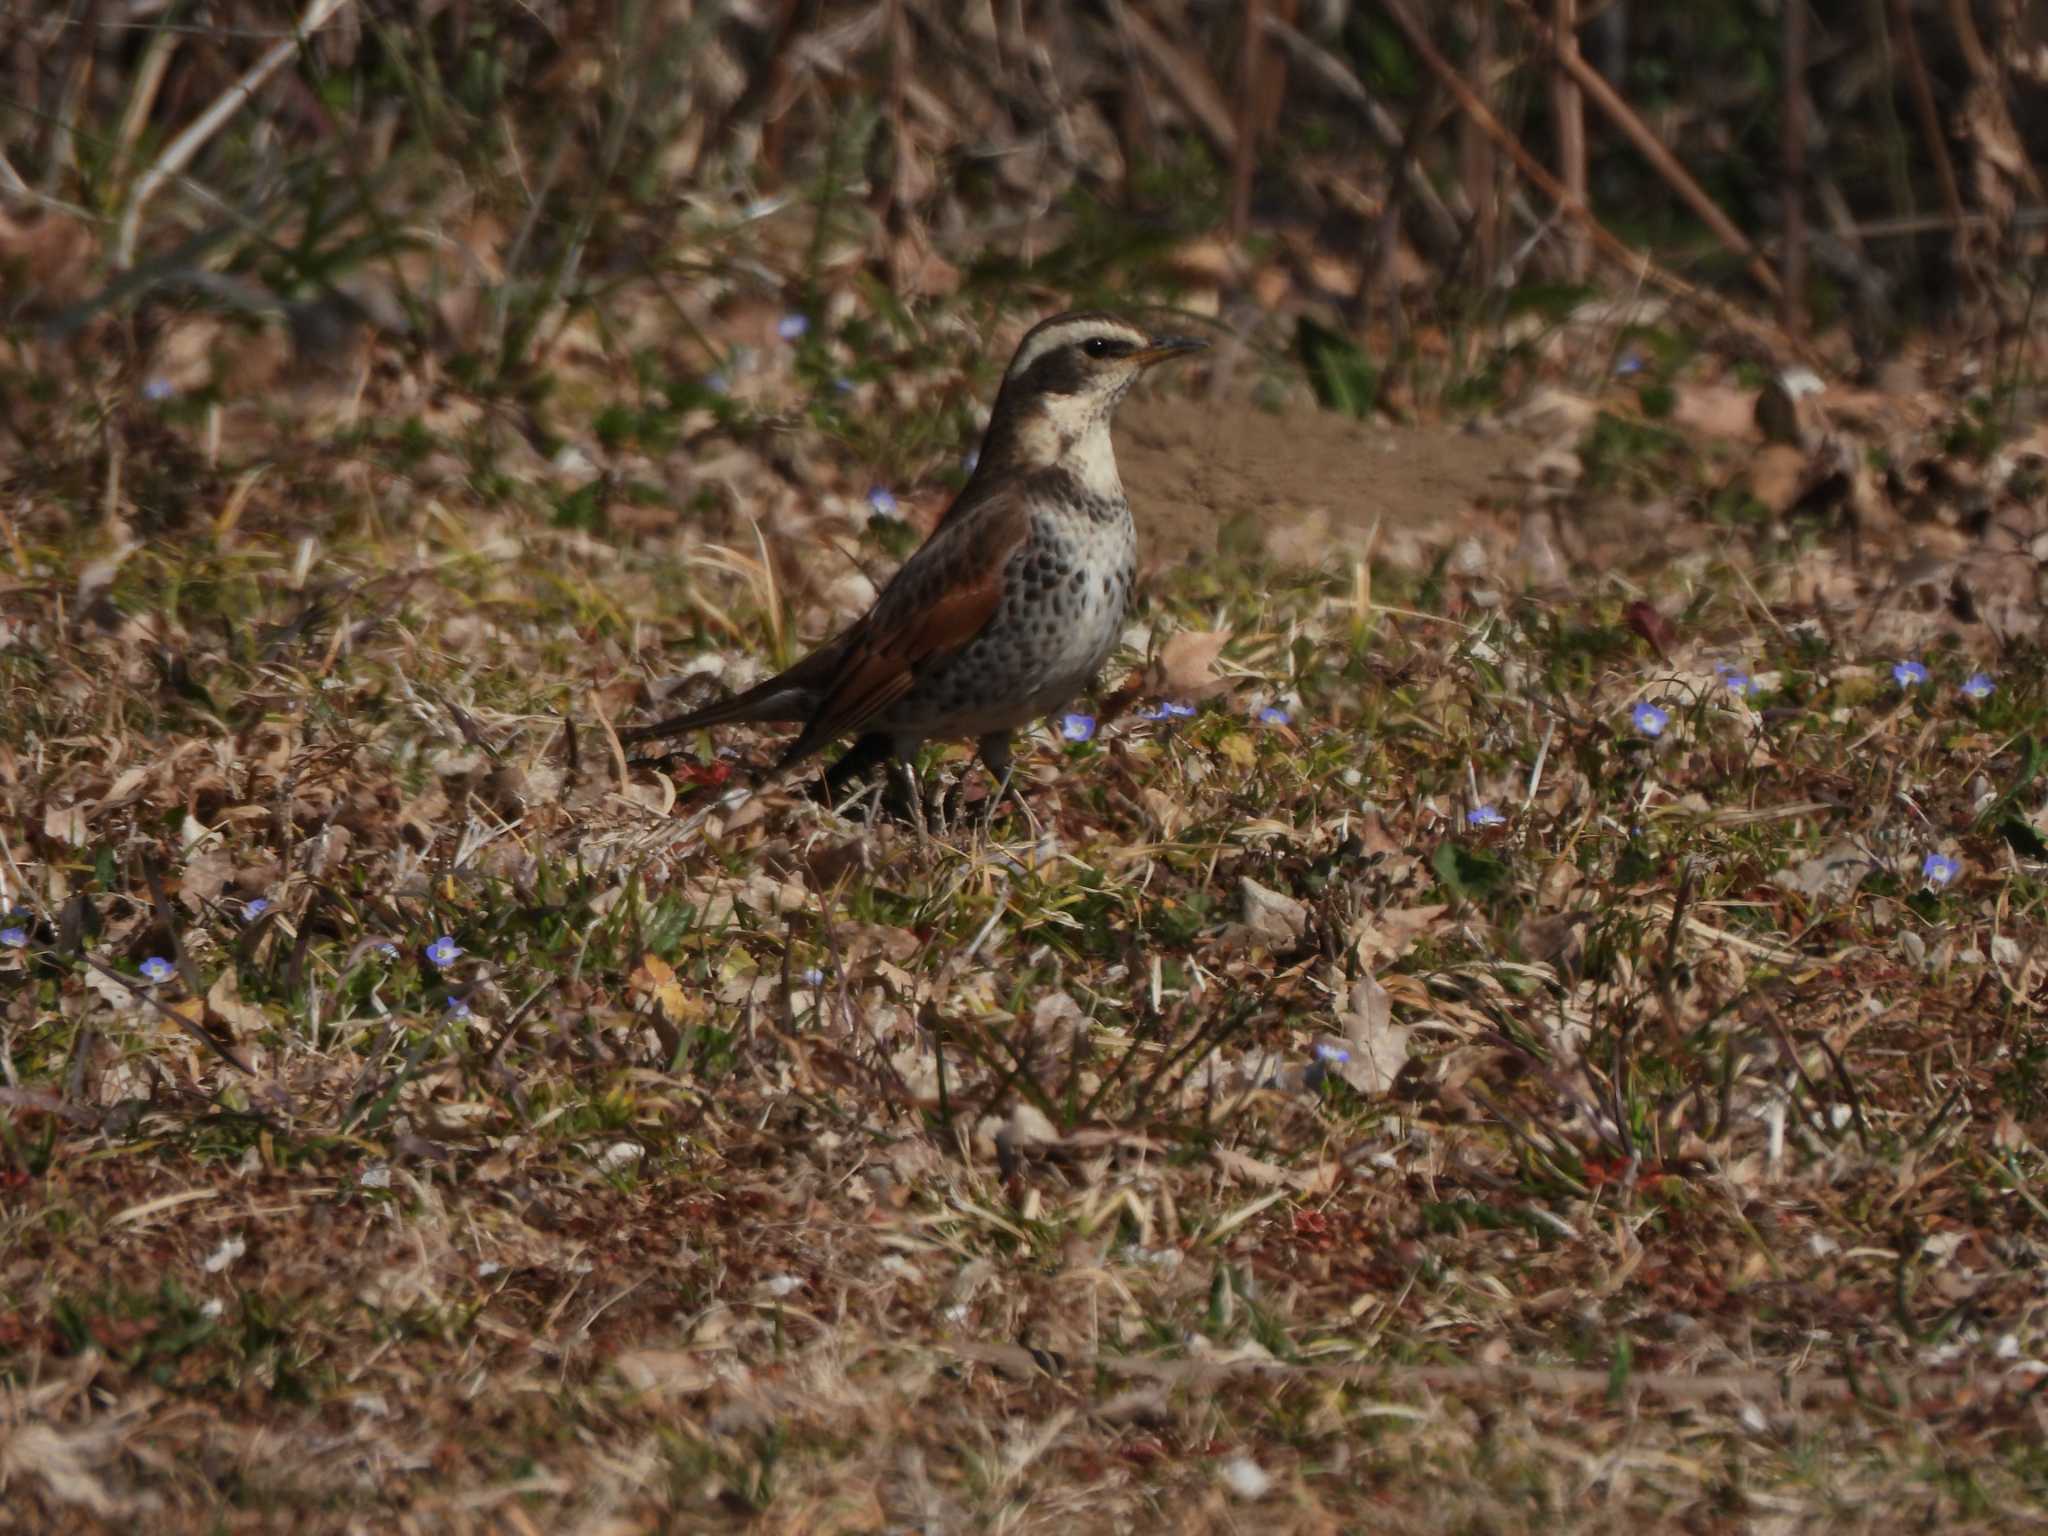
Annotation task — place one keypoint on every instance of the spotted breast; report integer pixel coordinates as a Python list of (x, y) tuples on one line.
[(1065, 591)]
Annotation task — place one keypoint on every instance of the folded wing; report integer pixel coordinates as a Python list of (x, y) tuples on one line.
[(943, 597)]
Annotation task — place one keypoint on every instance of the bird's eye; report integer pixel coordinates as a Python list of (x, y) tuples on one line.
[(1102, 346)]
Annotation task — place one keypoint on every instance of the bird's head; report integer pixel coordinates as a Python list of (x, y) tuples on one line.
[(1065, 380)]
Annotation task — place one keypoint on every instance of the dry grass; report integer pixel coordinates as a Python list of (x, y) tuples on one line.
[(748, 1161), (1406, 1092)]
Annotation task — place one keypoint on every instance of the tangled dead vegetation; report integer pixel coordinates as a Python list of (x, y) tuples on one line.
[(1519, 1002)]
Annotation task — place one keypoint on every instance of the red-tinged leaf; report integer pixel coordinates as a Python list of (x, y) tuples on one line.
[(1655, 629)]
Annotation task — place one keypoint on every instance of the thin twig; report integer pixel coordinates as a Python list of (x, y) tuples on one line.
[(179, 152), (1608, 243), (1791, 305), (1652, 148), (1568, 111), (1933, 140), (1249, 53)]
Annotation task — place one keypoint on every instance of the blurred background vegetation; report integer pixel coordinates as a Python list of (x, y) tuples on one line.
[(467, 179)]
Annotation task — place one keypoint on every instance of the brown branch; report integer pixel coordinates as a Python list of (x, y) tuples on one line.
[(1253, 46), (1936, 142), (1791, 307), (1568, 110), (1967, 40), (1652, 148), (765, 85), (1189, 83), (1635, 262), (1478, 168), (1990, 74), (1340, 77)]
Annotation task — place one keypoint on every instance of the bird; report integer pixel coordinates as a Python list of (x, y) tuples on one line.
[(1010, 607)]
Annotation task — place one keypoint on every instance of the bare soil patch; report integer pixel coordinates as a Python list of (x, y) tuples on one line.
[(1204, 475)]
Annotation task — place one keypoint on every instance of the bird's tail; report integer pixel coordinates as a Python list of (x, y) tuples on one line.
[(774, 701)]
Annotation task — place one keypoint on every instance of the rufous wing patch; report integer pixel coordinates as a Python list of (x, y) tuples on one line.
[(942, 598)]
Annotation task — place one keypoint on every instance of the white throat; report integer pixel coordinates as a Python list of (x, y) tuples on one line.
[(1092, 458), (1079, 445)]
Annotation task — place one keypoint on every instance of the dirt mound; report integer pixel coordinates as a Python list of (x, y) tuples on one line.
[(1226, 475)]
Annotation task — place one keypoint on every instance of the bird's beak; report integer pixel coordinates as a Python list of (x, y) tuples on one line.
[(1164, 347)]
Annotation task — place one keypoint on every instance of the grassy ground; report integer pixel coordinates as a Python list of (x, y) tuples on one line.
[(1469, 1070)]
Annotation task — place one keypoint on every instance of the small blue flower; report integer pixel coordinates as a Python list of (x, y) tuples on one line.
[(1939, 869), (842, 385), (388, 950), (718, 383), (443, 951), (883, 500), (255, 907), (1331, 1054), (1485, 816), (1077, 727), (158, 389), (1978, 686), (812, 978), (1272, 714), (1168, 709), (1649, 719), (157, 968), (14, 938), (1734, 679), (792, 327), (458, 1009), (1909, 674), (970, 460), (1628, 365)]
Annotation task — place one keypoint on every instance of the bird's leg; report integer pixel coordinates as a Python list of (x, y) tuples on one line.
[(903, 799), (994, 752), (857, 761), (1001, 764)]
